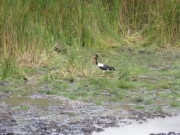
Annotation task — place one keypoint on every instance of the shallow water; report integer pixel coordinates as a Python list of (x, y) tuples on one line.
[(157, 125), (40, 102)]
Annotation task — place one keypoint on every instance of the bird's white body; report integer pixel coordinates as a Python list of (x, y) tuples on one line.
[(100, 65)]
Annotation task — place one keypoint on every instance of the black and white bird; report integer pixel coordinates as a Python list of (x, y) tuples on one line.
[(103, 67)]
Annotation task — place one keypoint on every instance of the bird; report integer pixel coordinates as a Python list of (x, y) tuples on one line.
[(101, 66)]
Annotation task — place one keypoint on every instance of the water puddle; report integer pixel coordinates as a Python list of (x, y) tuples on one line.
[(39, 102), (157, 125)]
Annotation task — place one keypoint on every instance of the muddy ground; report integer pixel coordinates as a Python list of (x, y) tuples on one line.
[(67, 117)]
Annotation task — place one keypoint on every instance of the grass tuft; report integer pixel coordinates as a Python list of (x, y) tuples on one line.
[(175, 103), (9, 68)]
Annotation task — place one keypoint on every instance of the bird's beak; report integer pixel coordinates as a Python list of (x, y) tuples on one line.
[(93, 61)]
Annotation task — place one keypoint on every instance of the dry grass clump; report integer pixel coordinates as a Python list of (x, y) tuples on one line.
[(31, 59)]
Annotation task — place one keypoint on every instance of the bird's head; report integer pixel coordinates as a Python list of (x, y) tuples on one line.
[(95, 58)]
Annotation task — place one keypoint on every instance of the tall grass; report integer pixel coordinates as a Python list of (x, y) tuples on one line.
[(39, 24), (29, 29), (9, 68)]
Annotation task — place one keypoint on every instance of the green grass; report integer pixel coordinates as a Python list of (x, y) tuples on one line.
[(148, 101), (114, 99), (139, 107), (9, 69), (138, 99), (72, 114), (22, 108), (175, 94), (175, 103), (163, 95), (49, 92), (99, 102)]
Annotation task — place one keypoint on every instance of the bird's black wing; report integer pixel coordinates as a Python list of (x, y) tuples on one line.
[(106, 67)]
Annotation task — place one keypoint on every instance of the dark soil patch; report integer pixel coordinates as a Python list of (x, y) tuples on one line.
[(66, 117)]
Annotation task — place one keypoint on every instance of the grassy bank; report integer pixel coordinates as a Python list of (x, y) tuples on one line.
[(144, 76), (30, 30)]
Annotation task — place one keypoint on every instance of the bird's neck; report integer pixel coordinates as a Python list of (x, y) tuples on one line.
[(96, 62)]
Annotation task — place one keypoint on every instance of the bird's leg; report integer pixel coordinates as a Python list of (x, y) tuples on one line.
[(103, 73)]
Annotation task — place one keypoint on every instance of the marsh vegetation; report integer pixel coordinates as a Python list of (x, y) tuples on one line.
[(32, 30), (51, 44)]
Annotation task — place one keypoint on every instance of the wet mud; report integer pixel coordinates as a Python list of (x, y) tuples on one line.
[(64, 116)]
